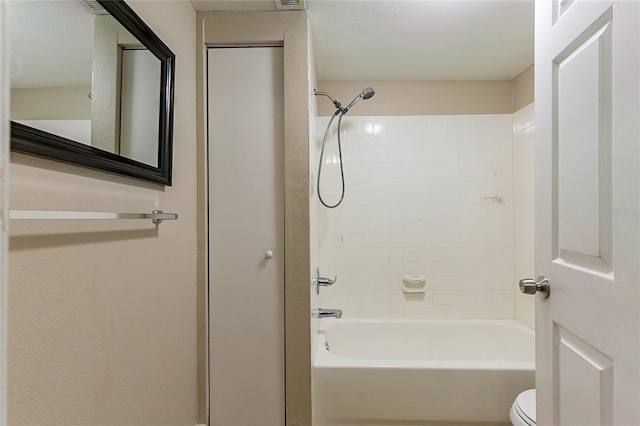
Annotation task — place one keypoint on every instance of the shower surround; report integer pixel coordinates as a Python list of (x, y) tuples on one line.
[(425, 195)]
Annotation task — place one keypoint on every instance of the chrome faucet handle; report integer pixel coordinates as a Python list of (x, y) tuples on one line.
[(326, 282)]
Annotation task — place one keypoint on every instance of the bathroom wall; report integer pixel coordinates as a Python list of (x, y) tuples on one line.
[(64, 111), (432, 188), (51, 103), (424, 97), (427, 195), (523, 89), (524, 189), (102, 314), (523, 208)]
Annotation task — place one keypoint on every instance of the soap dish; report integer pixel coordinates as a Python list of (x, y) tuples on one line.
[(414, 283)]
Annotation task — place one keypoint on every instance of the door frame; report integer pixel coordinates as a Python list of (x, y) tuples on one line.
[(4, 204), (289, 29)]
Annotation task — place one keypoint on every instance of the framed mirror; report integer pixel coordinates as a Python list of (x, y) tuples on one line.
[(92, 85)]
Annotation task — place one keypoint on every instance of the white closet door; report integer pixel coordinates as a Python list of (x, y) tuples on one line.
[(246, 235)]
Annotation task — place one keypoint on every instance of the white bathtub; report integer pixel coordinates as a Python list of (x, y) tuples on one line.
[(408, 372)]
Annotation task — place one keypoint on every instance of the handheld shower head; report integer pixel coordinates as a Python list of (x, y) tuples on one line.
[(366, 94)]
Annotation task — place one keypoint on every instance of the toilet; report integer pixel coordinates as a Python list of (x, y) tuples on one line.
[(523, 410)]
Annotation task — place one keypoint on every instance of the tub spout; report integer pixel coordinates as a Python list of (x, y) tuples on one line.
[(325, 313)]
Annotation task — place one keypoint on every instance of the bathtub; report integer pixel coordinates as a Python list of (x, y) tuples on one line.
[(410, 372)]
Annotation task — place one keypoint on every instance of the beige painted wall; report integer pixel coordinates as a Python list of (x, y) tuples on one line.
[(523, 89), (420, 97), (105, 105), (291, 29), (109, 37), (51, 103), (102, 313), (431, 97)]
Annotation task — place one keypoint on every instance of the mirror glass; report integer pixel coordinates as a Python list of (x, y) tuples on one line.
[(77, 73)]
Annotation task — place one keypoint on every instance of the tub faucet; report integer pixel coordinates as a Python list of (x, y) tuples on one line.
[(325, 313)]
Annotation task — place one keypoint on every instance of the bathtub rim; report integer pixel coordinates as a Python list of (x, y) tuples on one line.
[(325, 323), (327, 359)]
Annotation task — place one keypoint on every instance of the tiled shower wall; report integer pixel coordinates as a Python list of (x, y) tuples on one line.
[(425, 195), (523, 207)]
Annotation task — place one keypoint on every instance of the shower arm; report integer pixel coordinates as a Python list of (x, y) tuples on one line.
[(337, 104)]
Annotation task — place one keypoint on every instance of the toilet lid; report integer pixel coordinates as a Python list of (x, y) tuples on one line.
[(526, 404)]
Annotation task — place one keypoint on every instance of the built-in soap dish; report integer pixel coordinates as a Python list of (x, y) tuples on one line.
[(414, 283)]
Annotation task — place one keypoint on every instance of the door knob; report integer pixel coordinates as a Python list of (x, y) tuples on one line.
[(268, 254), (531, 286)]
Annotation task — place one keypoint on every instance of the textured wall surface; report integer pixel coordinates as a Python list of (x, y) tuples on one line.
[(102, 314), (428, 195), (313, 200)]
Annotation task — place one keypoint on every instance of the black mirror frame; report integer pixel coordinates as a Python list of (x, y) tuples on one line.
[(44, 144)]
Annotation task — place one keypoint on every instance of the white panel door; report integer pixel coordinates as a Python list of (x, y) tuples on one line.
[(587, 211), (246, 236)]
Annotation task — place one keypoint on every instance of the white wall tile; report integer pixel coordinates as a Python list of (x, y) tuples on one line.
[(430, 195), (524, 203)]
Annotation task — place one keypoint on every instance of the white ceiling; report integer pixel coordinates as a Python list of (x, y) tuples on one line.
[(353, 39), (413, 39), (51, 43)]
